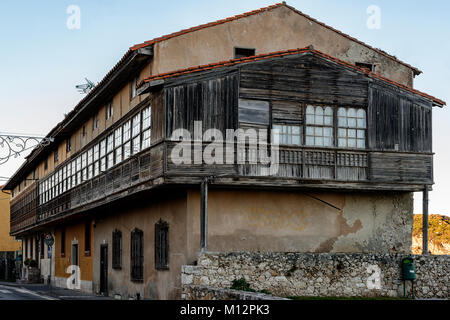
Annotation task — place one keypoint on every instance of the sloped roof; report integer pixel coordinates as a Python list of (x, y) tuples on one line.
[(251, 13), (277, 54)]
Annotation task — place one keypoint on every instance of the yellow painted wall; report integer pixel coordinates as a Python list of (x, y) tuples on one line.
[(7, 243), (73, 232)]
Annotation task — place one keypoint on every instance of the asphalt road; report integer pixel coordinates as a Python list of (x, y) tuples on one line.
[(18, 293)]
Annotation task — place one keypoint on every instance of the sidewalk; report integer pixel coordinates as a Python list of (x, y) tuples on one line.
[(55, 293)]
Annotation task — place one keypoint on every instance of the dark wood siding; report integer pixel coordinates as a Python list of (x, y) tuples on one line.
[(212, 101), (306, 79), (398, 122), (398, 167)]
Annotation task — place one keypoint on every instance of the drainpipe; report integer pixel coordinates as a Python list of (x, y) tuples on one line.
[(204, 214), (425, 221)]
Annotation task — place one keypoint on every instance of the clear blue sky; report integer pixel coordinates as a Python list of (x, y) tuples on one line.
[(41, 60)]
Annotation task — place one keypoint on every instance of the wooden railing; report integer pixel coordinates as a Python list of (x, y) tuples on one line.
[(292, 162)]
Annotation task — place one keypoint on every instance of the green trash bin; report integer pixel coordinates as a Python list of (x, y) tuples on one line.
[(408, 271)]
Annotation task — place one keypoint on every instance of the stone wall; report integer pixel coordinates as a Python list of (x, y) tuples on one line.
[(192, 292), (321, 274)]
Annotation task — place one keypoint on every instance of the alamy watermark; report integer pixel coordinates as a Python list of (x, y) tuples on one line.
[(241, 146), (374, 280), (374, 19), (73, 21), (73, 282)]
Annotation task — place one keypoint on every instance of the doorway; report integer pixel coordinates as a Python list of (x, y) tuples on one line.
[(104, 269), (75, 261)]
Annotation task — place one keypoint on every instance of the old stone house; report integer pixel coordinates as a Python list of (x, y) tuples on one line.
[(354, 144)]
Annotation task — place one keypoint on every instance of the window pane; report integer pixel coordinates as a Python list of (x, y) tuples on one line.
[(103, 148), (361, 123), (310, 110), (110, 160), (328, 121), (126, 131), (136, 124), (351, 143), (309, 141), (118, 137), (126, 150), (351, 122), (318, 120), (310, 131), (83, 160), (136, 145), (361, 143), (296, 140), (327, 132), (146, 118), (110, 143), (146, 139), (103, 164), (342, 142), (361, 134), (342, 133), (318, 131), (309, 119), (327, 141), (342, 122), (89, 156), (318, 141), (118, 155), (342, 112), (351, 133), (96, 152), (96, 168)]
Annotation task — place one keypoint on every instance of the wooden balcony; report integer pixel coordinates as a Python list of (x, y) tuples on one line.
[(24, 209), (296, 166), (132, 175)]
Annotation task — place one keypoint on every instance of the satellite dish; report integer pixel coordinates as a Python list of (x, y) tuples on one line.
[(85, 88)]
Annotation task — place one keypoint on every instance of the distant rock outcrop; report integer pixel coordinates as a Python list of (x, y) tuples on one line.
[(438, 234)]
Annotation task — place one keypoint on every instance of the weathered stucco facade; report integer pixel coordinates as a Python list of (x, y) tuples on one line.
[(143, 213), (7, 243), (246, 220), (273, 30), (74, 235), (296, 221)]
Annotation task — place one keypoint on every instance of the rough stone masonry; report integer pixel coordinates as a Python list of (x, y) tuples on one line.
[(319, 274)]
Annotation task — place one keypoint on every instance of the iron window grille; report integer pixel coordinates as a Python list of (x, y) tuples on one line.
[(162, 245), (117, 249), (137, 255)]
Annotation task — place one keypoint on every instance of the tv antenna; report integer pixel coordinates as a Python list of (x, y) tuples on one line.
[(85, 88)]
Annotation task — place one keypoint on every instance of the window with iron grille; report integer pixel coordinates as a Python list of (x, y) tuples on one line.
[(162, 245), (137, 255), (117, 249)]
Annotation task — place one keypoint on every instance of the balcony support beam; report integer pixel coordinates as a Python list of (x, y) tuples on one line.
[(204, 214), (425, 201)]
